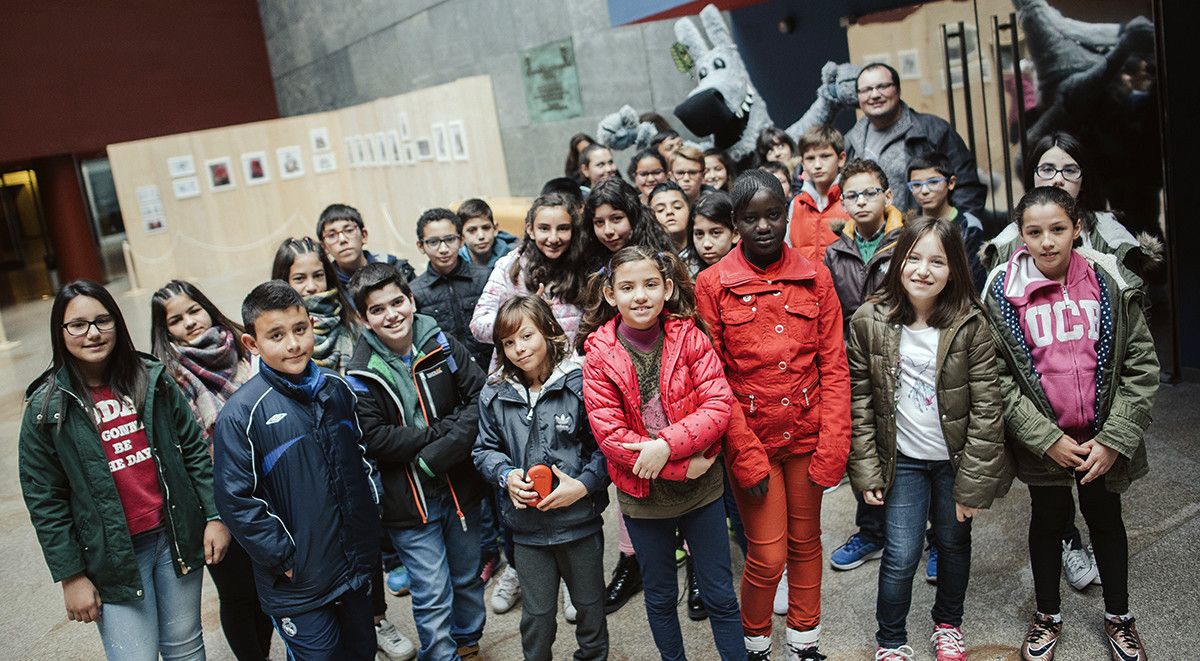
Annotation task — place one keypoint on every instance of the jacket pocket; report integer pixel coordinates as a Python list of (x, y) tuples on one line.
[(741, 336), (801, 320), (805, 403)]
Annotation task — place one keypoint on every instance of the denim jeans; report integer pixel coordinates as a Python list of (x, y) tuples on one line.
[(167, 618), (443, 565), (705, 532), (923, 490)]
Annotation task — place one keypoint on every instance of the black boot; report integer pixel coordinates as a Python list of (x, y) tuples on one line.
[(696, 609), (626, 582)]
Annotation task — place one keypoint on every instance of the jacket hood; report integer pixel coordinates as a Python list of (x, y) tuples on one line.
[(513, 389), (735, 269), (1023, 279), (425, 329)]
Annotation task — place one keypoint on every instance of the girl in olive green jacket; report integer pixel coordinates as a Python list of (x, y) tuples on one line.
[(118, 483), (927, 440)]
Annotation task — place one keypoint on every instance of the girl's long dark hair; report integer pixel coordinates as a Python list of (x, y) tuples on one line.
[(561, 276), (162, 345), (571, 166), (716, 206), (955, 299), (730, 170), (681, 304), (124, 372), (1091, 197), (622, 196), (285, 256)]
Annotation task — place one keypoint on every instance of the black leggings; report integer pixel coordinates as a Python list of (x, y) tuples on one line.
[(247, 629), (1053, 510)]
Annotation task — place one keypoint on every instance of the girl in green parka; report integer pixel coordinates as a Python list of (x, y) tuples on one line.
[(118, 483)]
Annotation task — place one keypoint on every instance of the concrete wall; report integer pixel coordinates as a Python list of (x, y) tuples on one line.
[(327, 55)]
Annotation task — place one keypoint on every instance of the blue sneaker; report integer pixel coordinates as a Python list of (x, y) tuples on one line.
[(854, 552), (397, 581), (931, 566)]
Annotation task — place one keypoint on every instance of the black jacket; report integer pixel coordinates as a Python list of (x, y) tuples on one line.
[(292, 484), (450, 299), (404, 453)]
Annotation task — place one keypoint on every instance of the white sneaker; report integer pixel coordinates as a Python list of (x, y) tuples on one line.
[(781, 595), (395, 645), (902, 653), (1078, 566), (569, 611), (507, 592), (802, 645), (758, 648)]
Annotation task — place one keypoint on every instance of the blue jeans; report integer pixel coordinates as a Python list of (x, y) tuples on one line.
[(338, 631), (443, 565), (167, 618), (923, 490), (704, 530)]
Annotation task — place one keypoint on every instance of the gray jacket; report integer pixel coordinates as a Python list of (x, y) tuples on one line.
[(554, 431)]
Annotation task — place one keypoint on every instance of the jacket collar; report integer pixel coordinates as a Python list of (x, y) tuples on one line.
[(305, 390), (51, 383), (808, 194), (893, 220), (460, 271), (734, 269), (509, 390)]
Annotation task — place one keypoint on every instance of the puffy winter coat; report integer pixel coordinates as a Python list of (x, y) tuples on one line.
[(72, 498), (294, 488), (451, 299), (694, 394), (810, 230), (1127, 380), (555, 431), (854, 279), (968, 400), (779, 334)]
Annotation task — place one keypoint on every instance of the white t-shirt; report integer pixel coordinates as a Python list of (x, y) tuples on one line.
[(918, 428)]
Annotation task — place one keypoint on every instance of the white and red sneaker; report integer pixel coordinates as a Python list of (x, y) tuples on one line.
[(948, 643)]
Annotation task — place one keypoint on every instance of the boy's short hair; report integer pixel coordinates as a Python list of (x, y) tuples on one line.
[(662, 136), (777, 168), (270, 295), (475, 208), (934, 160), (664, 187), (864, 166), (566, 187), (437, 213), (688, 153), (822, 135), (374, 277), (338, 212), (880, 65)]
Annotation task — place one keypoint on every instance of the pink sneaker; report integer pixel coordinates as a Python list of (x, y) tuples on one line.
[(948, 643)]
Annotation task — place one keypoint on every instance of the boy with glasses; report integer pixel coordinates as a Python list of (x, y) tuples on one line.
[(687, 170), (341, 232), (931, 182)]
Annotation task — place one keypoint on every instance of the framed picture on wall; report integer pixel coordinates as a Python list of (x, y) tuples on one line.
[(220, 173), (181, 166), (351, 152), (909, 64), (409, 151), (404, 133), (291, 162), (395, 153), (441, 142), (458, 140), (424, 149), (366, 154), (254, 168), (379, 147), (186, 188), (323, 163), (319, 137)]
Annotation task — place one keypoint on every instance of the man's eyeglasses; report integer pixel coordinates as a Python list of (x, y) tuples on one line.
[(1046, 172), (881, 88), (867, 195), (331, 236), (932, 182), (642, 174), (437, 242), (78, 327)]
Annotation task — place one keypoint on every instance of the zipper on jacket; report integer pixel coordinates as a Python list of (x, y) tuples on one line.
[(752, 404), (462, 518)]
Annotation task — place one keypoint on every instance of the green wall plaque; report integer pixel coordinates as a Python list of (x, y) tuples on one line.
[(551, 82)]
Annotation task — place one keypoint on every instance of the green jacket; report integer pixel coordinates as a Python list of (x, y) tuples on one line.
[(968, 399), (1128, 383), (71, 495)]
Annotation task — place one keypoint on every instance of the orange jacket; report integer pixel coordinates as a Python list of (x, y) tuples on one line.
[(811, 230)]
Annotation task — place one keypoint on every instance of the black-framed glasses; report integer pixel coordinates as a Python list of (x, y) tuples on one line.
[(331, 236), (650, 173), (78, 327), (932, 182), (437, 242), (1071, 172), (881, 88), (867, 195)]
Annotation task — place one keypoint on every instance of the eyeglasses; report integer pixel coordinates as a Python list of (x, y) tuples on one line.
[(438, 242), (881, 88), (867, 195), (332, 236), (933, 182), (78, 327), (679, 174), (1047, 172), (642, 174)]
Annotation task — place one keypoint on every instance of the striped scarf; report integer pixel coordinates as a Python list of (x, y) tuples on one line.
[(209, 372), (333, 340)]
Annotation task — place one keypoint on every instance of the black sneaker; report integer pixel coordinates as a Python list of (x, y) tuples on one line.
[(1123, 640), (1041, 638), (626, 582), (696, 610)]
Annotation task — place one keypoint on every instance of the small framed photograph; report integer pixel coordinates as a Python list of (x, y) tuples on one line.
[(291, 162), (395, 153), (409, 152), (424, 149), (441, 142), (319, 138), (909, 64), (458, 140), (186, 188), (254, 168), (324, 163), (351, 152), (404, 133), (366, 155), (181, 166), (220, 173), (380, 149)]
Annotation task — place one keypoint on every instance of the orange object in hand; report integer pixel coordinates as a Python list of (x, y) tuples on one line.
[(542, 478)]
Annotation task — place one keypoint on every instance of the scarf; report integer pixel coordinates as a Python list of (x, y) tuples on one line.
[(209, 372), (333, 341)]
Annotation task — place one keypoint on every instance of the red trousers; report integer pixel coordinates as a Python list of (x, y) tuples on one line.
[(783, 528)]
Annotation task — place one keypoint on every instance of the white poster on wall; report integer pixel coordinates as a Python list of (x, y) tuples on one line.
[(181, 166), (458, 140), (186, 187), (151, 208), (441, 143), (291, 162)]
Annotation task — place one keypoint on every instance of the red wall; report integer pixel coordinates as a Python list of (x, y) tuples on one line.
[(76, 76)]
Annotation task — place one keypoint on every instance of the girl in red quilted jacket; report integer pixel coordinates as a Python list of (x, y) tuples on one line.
[(659, 406), (776, 323)]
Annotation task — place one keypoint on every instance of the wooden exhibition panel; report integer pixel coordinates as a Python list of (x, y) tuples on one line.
[(234, 232)]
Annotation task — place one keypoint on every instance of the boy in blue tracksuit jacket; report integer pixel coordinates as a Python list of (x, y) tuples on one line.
[(292, 485)]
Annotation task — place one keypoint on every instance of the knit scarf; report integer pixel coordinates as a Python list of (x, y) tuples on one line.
[(209, 373), (333, 340)]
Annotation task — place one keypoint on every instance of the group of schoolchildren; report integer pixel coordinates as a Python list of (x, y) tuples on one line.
[(719, 350)]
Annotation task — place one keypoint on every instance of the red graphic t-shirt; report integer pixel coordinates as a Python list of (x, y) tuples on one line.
[(128, 450)]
